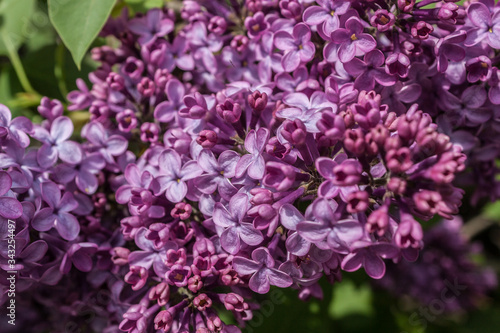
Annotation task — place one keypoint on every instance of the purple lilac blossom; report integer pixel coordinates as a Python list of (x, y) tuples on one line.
[(206, 135)]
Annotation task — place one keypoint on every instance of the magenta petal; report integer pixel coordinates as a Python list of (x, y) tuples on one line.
[(352, 262), (230, 240), (290, 61), (70, 152), (176, 191), (51, 194), (82, 261), (67, 225), (44, 220), (239, 206), (61, 129), (290, 216), (297, 245), (10, 208), (67, 203), (47, 156), (5, 182), (312, 231), (374, 265), (86, 182), (243, 164), (315, 15), (259, 282), (35, 251), (279, 278), (244, 266), (479, 14), (257, 168), (250, 235), (116, 145), (221, 216)]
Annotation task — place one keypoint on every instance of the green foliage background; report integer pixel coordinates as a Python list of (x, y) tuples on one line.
[(38, 60)]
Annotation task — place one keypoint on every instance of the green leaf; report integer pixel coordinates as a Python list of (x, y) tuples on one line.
[(79, 22), (348, 300), (15, 22)]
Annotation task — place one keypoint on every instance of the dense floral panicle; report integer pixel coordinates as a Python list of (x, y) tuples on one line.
[(445, 264), (211, 124)]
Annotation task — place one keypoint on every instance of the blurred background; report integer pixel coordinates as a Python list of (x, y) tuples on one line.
[(35, 63)]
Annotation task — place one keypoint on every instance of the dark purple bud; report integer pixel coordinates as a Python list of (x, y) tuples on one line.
[(178, 140), (137, 277), (398, 160), (158, 233), (347, 173), (231, 278), (379, 134), (133, 68), (217, 25), (428, 202), (230, 111), (397, 64), (382, 20), (234, 302), (421, 30), (240, 43), (195, 283), (50, 109), (275, 148), (371, 147), (291, 9), (207, 139), (178, 275), (261, 196), (332, 125), (175, 257), (479, 68), (99, 111), (127, 120), (196, 106), (257, 101), (119, 256), (254, 6), (279, 175), (160, 293), (203, 247), (161, 77), (146, 87), (181, 210), (397, 185), (448, 11), (202, 302), (164, 320), (294, 131), (378, 221), (115, 81), (149, 132), (355, 141), (357, 202), (406, 5)]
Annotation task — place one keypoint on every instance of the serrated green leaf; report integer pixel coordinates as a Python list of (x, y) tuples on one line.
[(78, 23), (14, 19)]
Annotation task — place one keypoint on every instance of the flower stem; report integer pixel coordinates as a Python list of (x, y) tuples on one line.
[(18, 66)]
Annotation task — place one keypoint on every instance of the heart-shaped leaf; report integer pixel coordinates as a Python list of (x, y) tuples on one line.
[(14, 22), (79, 22)]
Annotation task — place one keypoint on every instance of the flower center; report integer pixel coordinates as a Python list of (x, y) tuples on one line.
[(353, 37)]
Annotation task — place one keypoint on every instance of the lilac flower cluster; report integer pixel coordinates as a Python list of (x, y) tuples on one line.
[(445, 267), (247, 145)]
